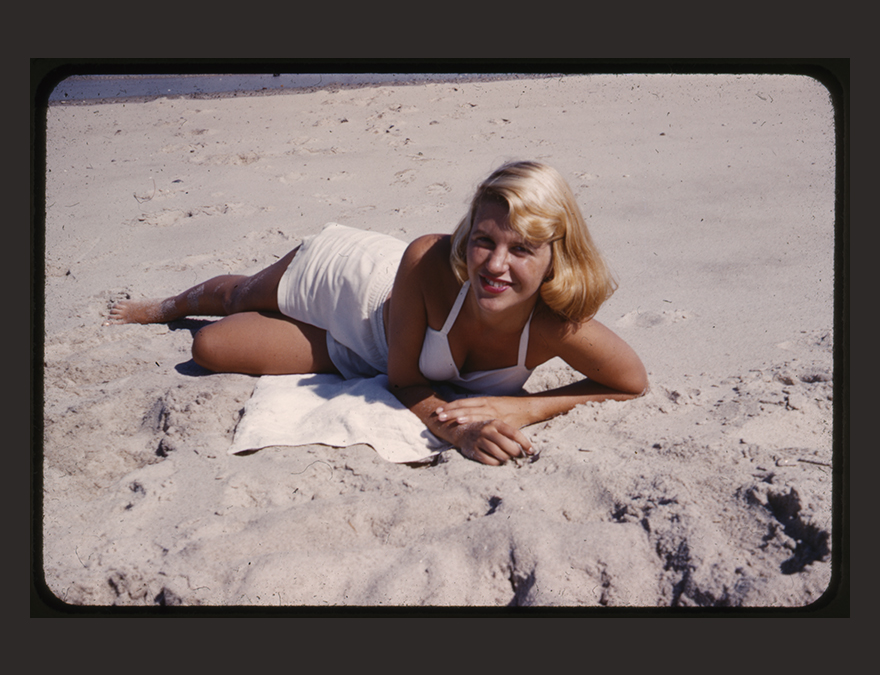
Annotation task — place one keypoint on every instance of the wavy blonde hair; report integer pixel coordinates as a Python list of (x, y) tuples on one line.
[(542, 208)]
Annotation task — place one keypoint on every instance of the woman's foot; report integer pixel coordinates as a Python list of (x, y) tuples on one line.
[(142, 311)]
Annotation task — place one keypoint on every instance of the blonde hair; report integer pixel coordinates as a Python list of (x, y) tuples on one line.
[(541, 208)]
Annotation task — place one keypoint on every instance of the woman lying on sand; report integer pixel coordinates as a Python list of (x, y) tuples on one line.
[(515, 285)]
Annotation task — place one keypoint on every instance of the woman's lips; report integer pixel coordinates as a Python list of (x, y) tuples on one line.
[(493, 285)]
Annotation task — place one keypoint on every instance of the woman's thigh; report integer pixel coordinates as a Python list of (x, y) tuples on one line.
[(260, 291), (262, 343)]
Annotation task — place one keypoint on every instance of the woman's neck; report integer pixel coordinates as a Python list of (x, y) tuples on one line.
[(508, 321)]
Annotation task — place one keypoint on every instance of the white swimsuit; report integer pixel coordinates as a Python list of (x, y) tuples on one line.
[(339, 281), (436, 362)]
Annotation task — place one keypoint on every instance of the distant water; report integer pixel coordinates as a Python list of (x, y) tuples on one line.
[(98, 87)]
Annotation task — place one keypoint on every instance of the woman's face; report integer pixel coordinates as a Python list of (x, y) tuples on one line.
[(505, 270)]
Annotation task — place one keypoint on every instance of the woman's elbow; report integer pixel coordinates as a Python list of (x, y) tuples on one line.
[(402, 378), (396, 379)]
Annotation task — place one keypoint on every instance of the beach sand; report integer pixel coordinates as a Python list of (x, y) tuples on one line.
[(712, 196)]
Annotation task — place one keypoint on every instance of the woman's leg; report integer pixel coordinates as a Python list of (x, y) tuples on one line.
[(262, 343), (220, 296), (253, 338)]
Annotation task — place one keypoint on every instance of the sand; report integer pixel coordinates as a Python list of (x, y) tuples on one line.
[(711, 196)]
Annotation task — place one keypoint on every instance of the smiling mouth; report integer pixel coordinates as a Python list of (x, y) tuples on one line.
[(493, 285)]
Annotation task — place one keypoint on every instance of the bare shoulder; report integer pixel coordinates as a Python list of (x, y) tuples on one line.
[(428, 250), (426, 260), (426, 272)]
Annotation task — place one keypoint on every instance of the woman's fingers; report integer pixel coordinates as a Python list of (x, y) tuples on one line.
[(496, 442), (467, 410), (509, 438), (483, 458), (464, 404)]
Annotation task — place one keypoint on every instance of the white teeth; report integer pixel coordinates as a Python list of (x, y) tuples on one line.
[(495, 284)]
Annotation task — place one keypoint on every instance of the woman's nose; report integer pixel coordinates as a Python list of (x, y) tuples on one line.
[(498, 260)]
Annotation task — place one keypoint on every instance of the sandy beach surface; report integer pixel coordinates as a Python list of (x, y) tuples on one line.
[(712, 196)]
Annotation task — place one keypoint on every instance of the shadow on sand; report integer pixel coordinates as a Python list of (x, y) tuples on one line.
[(190, 368)]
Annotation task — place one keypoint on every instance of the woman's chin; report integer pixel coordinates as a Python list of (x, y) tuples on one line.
[(498, 302)]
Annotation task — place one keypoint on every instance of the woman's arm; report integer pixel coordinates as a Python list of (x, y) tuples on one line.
[(612, 368), (424, 269), (487, 440)]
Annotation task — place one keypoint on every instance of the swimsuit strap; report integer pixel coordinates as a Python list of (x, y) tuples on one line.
[(524, 341), (456, 308)]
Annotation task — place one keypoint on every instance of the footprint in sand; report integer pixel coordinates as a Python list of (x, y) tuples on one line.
[(330, 199), (169, 217), (180, 264), (584, 179), (182, 148), (648, 318), (332, 150), (165, 217), (405, 177), (438, 189), (293, 177), (272, 235), (358, 211), (155, 193), (234, 159)]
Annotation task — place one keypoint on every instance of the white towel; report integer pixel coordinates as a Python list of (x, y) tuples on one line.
[(291, 410)]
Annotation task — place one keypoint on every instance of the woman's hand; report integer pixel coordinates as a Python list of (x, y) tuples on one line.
[(491, 442), (486, 429), (510, 409)]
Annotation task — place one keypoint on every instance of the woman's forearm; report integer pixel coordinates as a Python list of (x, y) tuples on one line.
[(423, 401), (521, 411), (452, 421), (544, 405)]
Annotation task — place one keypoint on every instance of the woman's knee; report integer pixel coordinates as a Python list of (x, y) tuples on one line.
[(248, 342), (205, 347)]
